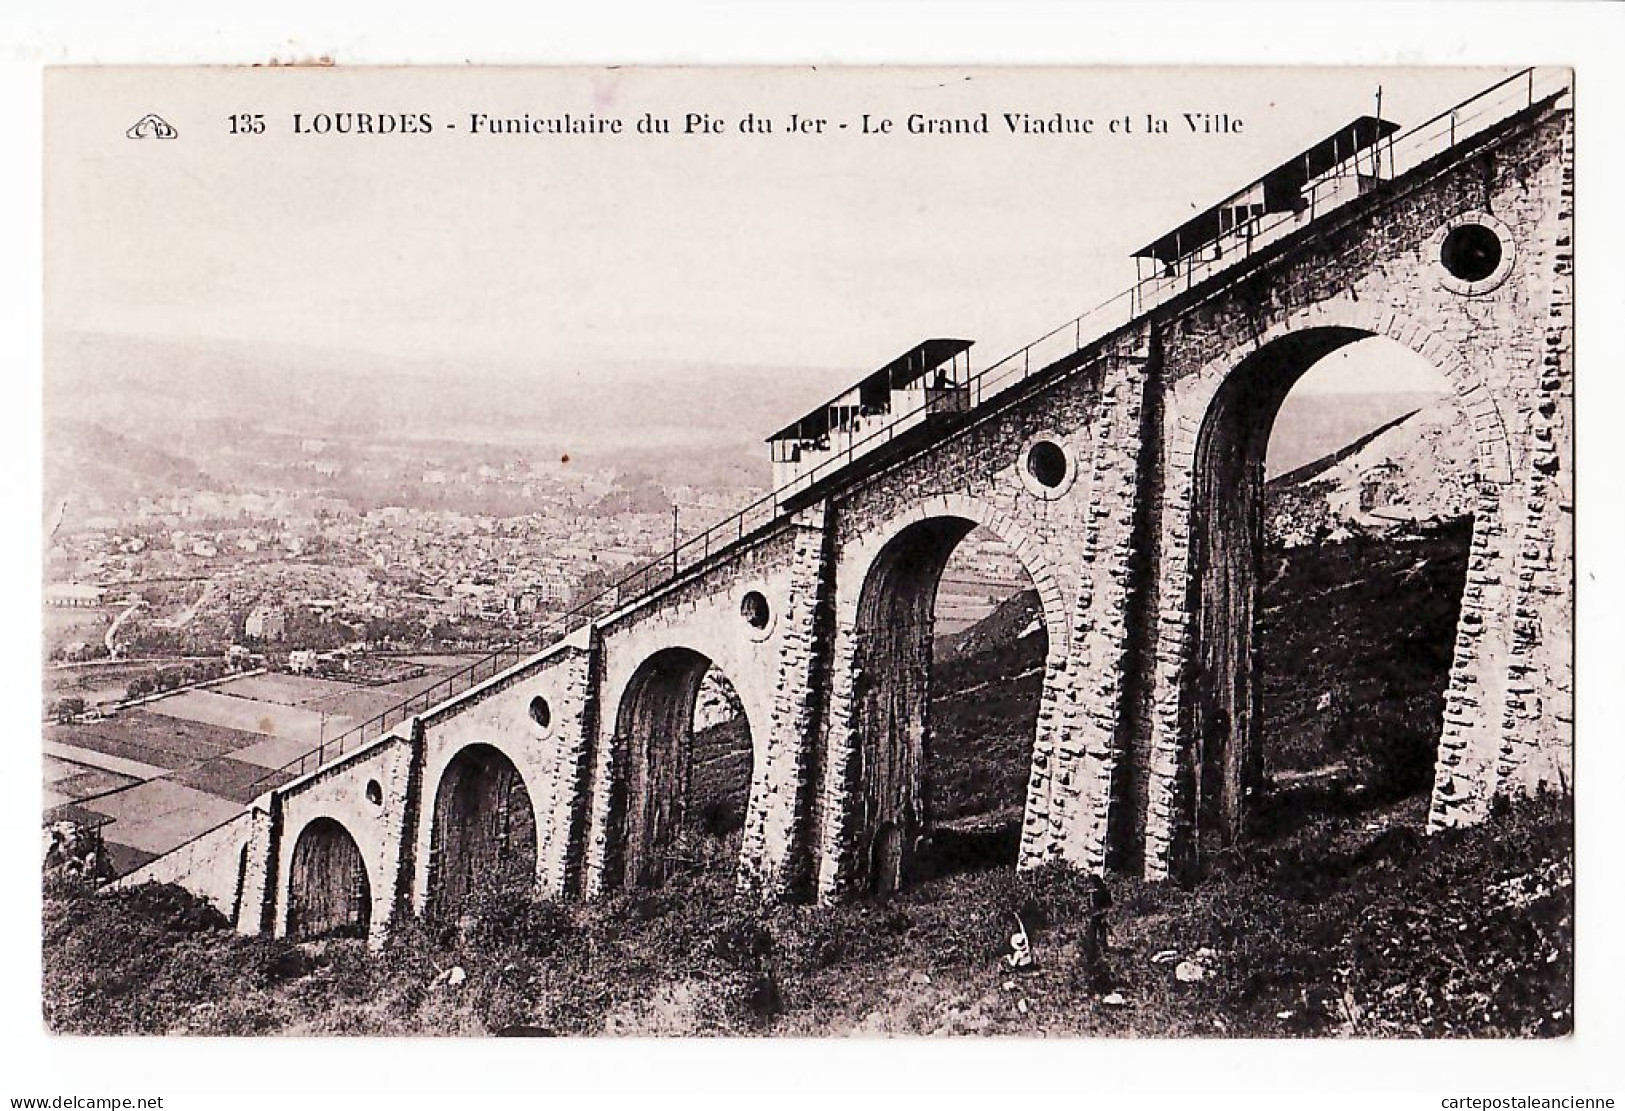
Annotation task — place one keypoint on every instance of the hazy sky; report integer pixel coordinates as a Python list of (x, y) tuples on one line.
[(813, 255)]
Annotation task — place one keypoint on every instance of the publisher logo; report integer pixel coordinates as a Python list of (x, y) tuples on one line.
[(151, 126)]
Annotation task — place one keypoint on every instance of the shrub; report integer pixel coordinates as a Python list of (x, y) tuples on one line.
[(170, 907), (514, 918)]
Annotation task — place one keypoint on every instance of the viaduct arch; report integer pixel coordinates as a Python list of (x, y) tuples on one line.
[(483, 832), (1220, 703), (650, 796), (1205, 749), (329, 891), (881, 681)]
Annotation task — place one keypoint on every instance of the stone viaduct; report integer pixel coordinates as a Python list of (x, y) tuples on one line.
[(1125, 473)]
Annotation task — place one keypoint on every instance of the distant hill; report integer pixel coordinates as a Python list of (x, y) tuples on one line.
[(105, 396), (132, 414), (1014, 620), (87, 460), (151, 382)]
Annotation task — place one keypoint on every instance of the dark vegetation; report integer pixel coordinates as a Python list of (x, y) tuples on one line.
[(719, 778), (988, 680), (64, 710), (1348, 927), (173, 678), (1339, 918)]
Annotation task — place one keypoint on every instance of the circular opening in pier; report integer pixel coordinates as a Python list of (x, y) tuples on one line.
[(1046, 462), (1471, 252), (753, 608), (540, 712), (375, 792)]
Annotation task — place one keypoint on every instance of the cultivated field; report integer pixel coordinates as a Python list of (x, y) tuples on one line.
[(157, 775)]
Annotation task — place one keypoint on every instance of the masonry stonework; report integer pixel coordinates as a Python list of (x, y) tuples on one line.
[(1139, 536), (212, 866)]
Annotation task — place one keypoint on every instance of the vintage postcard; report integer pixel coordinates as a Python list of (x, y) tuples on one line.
[(806, 551)]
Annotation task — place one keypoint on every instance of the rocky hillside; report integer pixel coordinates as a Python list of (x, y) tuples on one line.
[(1410, 473)]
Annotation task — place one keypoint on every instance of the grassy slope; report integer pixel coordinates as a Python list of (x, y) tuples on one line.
[(1340, 929)]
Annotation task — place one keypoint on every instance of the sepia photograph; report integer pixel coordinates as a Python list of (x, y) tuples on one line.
[(808, 551)]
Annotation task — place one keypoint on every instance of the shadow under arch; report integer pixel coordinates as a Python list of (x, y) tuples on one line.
[(1221, 757), (484, 829), (654, 797), (891, 692), (329, 893)]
